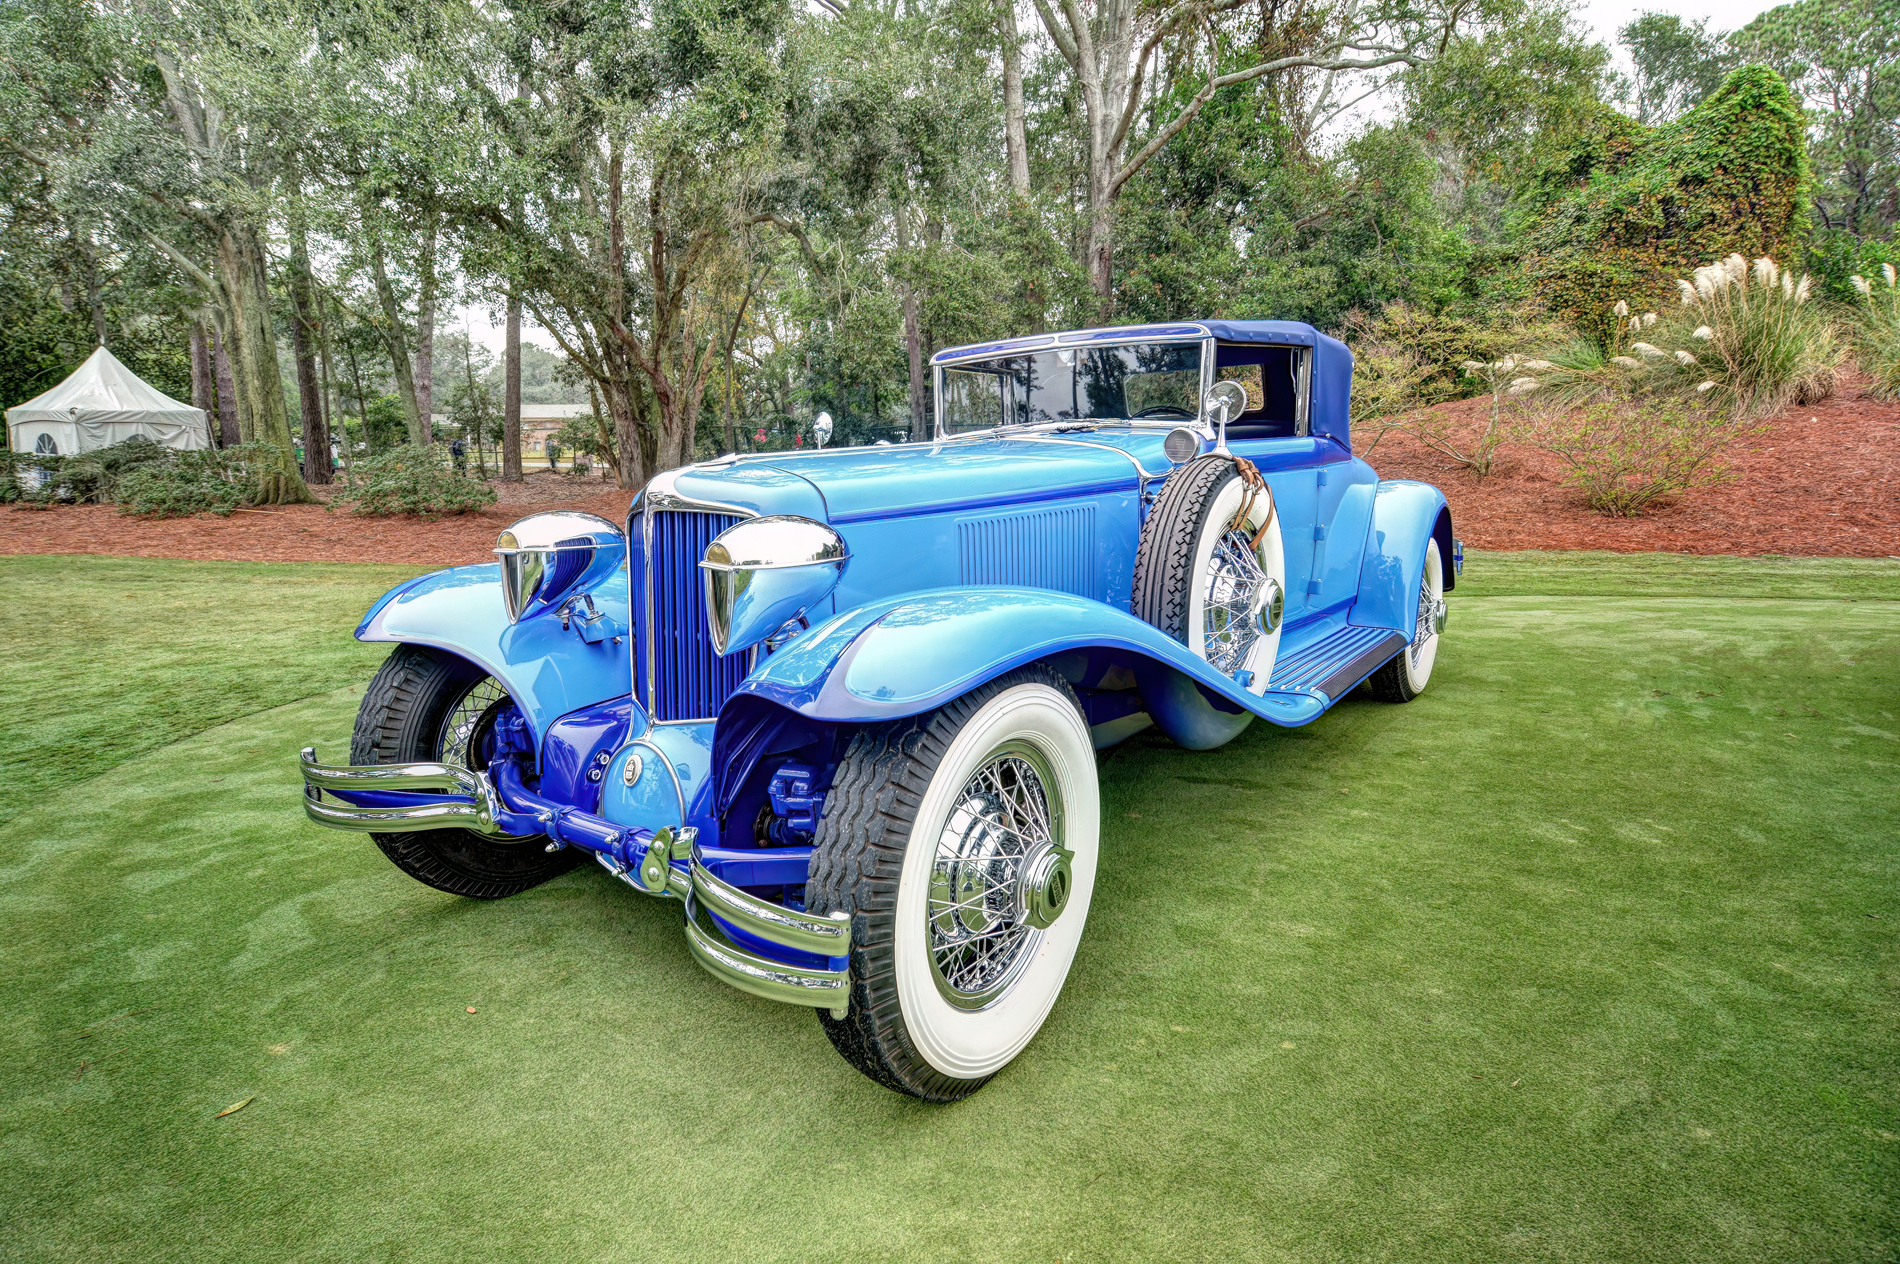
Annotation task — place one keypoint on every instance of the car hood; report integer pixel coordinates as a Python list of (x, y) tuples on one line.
[(848, 485)]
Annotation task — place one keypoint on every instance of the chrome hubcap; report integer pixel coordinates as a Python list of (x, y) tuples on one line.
[(1001, 877), (1230, 619)]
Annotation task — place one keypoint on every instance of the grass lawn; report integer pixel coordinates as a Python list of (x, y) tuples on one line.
[(1587, 954)]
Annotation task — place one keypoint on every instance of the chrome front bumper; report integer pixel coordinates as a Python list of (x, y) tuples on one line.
[(666, 862)]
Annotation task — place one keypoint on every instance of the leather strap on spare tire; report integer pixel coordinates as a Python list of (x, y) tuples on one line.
[(1256, 487), (1165, 557)]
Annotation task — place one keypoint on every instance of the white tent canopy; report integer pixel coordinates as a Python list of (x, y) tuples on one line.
[(101, 404)]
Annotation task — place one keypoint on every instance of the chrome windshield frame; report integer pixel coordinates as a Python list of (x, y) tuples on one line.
[(1201, 337)]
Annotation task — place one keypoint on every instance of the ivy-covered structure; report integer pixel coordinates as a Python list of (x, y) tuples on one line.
[(1631, 208)]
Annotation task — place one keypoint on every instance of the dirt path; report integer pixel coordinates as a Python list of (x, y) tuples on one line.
[(1825, 481)]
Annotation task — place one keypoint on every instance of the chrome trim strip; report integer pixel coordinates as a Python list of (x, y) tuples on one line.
[(772, 980), (417, 776), (426, 816), (1144, 473), (807, 932)]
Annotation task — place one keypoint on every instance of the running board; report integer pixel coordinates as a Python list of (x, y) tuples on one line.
[(1336, 662)]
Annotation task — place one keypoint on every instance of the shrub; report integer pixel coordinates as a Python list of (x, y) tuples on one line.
[(1408, 357), (1626, 452), (415, 479), (1631, 206), (214, 481), (1501, 379), (1744, 340), (85, 478), (1878, 335)]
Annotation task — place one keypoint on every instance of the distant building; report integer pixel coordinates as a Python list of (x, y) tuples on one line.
[(538, 423)]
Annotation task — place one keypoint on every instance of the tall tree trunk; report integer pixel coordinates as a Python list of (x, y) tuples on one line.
[(913, 338), (203, 389), (230, 434), (264, 418), (362, 401), (303, 318), (425, 329), (396, 342), (1015, 128), (332, 421), (511, 396)]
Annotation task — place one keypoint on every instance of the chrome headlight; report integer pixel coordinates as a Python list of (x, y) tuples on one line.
[(765, 572), (546, 556)]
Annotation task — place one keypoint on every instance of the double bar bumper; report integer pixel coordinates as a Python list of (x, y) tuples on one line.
[(396, 798)]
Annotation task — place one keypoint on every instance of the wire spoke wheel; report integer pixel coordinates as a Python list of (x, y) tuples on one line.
[(962, 843), (1230, 619), (469, 722), (976, 925)]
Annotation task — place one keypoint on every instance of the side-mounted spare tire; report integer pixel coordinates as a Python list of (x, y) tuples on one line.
[(428, 705), (1210, 569)]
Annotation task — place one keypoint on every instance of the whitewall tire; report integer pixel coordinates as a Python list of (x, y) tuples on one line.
[(963, 844)]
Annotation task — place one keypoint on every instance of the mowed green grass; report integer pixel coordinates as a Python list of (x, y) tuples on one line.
[(1587, 954)]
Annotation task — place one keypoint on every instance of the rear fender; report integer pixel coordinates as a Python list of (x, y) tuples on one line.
[(548, 670), (1405, 515)]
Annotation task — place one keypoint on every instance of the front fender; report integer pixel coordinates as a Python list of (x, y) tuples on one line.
[(549, 671), (907, 655), (1405, 515)]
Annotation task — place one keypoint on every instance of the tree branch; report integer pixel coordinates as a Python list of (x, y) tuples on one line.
[(185, 265), (1215, 84)]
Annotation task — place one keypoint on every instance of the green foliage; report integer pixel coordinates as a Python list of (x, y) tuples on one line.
[(1678, 62), (1877, 331), (1842, 59), (1744, 340), (1505, 91), (414, 479), (1626, 452), (1633, 207), (386, 425), (216, 481), (1836, 257), (84, 478), (1411, 357)]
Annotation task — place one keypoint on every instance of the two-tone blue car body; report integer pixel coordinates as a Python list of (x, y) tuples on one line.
[(844, 704)]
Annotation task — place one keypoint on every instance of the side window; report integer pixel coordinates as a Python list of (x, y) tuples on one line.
[(1275, 381), (46, 446)]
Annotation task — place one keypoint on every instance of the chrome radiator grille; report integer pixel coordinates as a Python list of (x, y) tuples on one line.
[(675, 671)]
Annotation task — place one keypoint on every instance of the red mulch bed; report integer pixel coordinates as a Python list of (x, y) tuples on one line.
[(1824, 481), (308, 533)]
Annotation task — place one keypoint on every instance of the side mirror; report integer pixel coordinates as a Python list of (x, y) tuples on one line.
[(1224, 400), (821, 426), (763, 573)]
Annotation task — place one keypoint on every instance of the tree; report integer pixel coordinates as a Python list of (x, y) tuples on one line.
[(1677, 62), (1112, 50), (1842, 59)]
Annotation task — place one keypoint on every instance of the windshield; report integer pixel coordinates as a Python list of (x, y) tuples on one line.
[(1156, 381)]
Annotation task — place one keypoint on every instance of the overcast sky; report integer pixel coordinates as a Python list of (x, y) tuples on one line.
[(1604, 18)]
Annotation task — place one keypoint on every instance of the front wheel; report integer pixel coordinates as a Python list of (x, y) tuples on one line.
[(962, 844), (429, 706)]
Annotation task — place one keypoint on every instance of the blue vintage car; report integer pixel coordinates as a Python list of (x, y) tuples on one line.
[(844, 705)]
